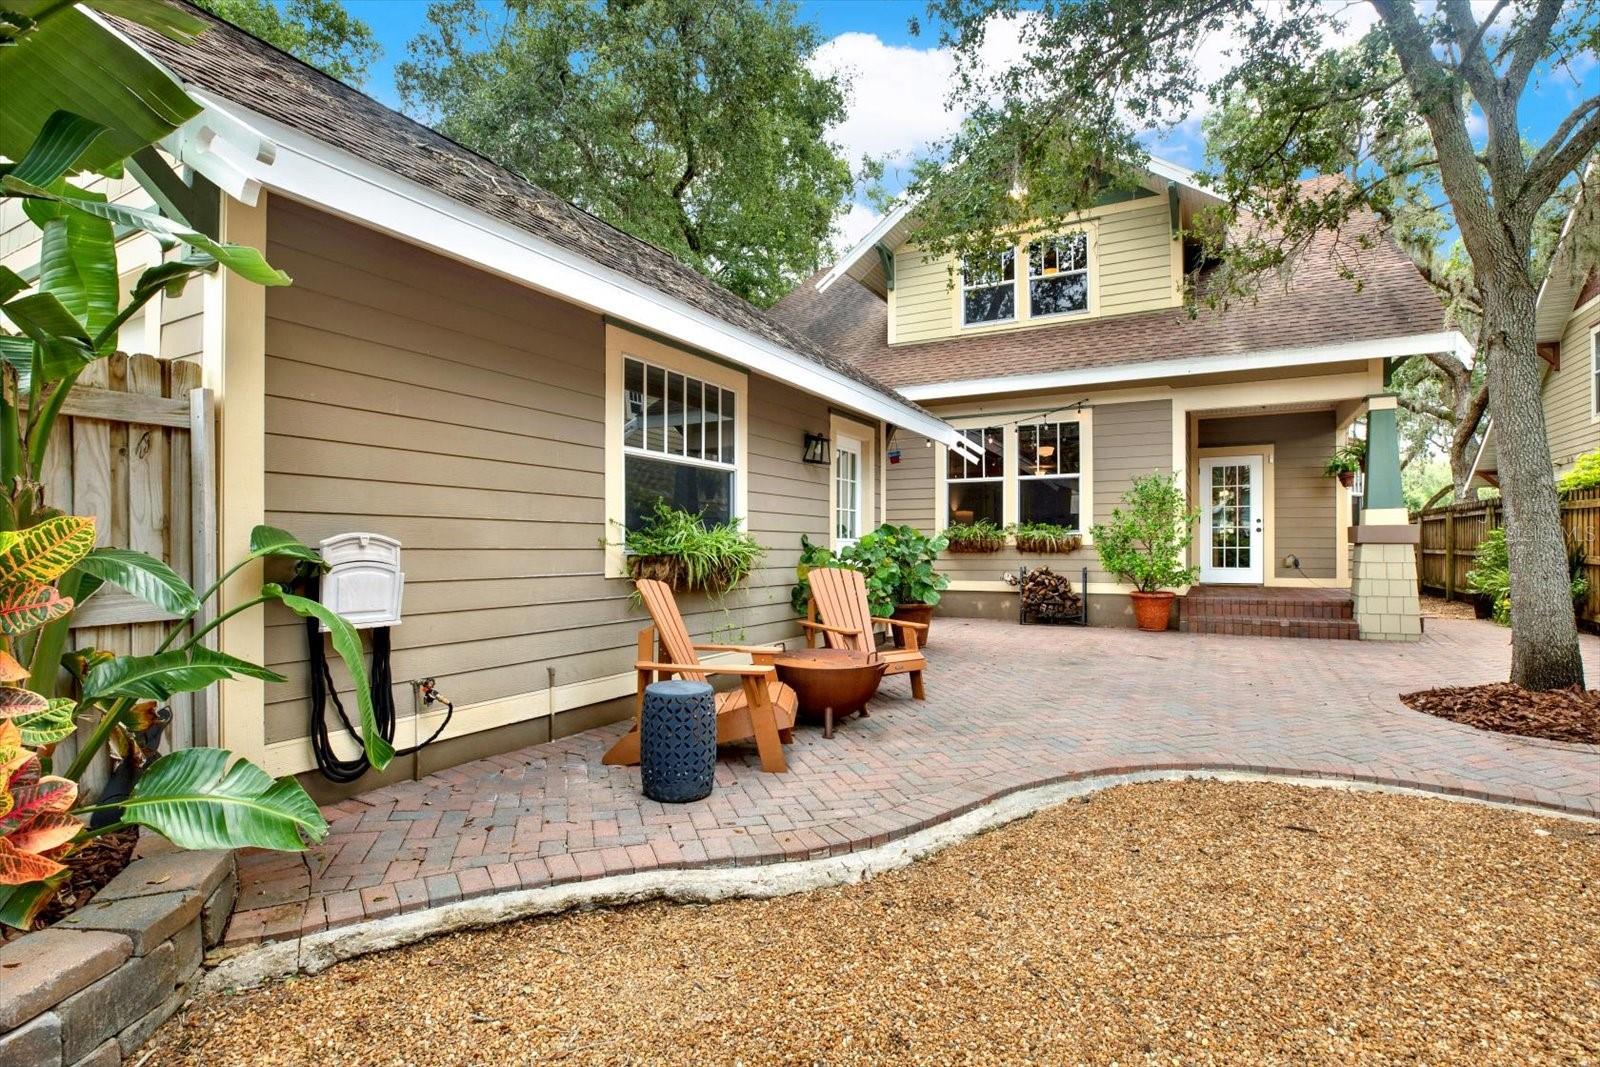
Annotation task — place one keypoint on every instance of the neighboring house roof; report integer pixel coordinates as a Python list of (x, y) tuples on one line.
[(249, 85), (1316, 316), (863, 263), (1571, 278)]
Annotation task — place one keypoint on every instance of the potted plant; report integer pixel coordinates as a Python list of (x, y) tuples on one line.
[(1144, 546), (980, 536), (1346, 460), (810, 556), (901, 582), (1489, 580), (1037, 537), (677, 547)]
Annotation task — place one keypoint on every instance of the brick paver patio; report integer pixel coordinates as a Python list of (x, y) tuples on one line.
[(1008, 708)]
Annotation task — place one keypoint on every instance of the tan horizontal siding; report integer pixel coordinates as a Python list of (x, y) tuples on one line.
[(1305, 504), (1132, 270), (413, 396), (909, 483), (1569, 423)]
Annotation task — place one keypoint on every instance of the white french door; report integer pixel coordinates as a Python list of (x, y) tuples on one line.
[(846, 491), (1231, 517)]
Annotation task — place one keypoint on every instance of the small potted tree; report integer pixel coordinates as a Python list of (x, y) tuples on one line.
[(1144, 546), (1346, 461)]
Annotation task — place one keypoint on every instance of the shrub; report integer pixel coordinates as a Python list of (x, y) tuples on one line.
[(1348, 458), (678, 548), (1144, 545), (897, 562), (1585, 473), (1490, 575), (980, 536)]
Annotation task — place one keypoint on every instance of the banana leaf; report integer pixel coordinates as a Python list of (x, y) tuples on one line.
[(194, 799), (63, 138), (77, 264), (271, 541), (144, 576), (158, 677)]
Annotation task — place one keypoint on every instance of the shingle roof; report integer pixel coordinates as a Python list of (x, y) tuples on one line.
[(233, 65), (1316, 306)]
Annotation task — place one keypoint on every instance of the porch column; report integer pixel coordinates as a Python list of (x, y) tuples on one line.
[(1384, 564)]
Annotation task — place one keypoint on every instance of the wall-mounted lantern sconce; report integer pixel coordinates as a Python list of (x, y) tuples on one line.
[(816, 448)]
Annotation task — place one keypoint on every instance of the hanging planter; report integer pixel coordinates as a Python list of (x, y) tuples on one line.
[(678, 548)]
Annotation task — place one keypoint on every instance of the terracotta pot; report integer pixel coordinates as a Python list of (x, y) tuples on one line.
[(922, 613), (1347, 478), (1152, 611)]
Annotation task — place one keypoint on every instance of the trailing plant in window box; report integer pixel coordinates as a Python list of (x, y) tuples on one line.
[(980, 536), (1039, 537), (677, 547)]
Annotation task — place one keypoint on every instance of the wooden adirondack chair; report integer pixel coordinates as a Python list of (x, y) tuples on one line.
[(762, 707), (838, 610)]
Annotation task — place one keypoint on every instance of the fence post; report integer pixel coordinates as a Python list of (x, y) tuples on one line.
[(1450, 555)]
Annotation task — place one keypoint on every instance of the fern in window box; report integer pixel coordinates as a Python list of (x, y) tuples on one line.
[(980, 536), (677, 547), (1041, 537)]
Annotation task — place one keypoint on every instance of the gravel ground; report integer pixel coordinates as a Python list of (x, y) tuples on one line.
[(1190, 921)]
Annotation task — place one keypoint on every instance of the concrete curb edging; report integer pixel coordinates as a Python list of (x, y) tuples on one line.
[(314, 953)]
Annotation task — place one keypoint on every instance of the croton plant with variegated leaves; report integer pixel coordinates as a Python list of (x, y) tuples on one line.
[(53, 131)]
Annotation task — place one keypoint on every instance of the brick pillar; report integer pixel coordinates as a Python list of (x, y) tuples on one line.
[(1384, 544)]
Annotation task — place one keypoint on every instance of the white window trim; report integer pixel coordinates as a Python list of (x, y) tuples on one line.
[(1594, 372), (1087, 270), (871, 483), (1021, 317), (1010, 493), (1008, 460), (621, 343), (961, 305)]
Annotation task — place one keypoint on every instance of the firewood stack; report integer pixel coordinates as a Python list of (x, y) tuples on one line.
[(1048, 597)]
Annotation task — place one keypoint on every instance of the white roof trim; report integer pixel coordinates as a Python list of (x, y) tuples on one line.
[(317, 173), (1265, 359), (1161, 168), (1483, 446)]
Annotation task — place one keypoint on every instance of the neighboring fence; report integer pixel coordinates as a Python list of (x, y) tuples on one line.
[(136, 450), (1450, 535)]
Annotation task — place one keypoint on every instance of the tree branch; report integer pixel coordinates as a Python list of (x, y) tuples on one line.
[(1530, 47), (1423, 407)]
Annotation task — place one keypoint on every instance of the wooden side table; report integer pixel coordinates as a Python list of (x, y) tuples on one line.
[(831, 682)]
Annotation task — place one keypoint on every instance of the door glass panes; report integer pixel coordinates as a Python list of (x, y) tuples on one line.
[(1230, 516), (847, 494)]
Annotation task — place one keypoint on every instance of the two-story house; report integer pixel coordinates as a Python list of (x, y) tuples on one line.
[(1072, 360)]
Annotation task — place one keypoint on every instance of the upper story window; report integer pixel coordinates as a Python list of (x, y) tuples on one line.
[(1049, 474), (977, 487), (1058, 275), (678, 439), (989, 288)]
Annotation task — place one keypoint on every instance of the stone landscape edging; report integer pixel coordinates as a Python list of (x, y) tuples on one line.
[(89, 989), (315, 952)]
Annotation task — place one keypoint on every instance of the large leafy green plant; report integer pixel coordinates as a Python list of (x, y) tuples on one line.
[(1144, 542), (116, 105), (677, 547), (898, 564)]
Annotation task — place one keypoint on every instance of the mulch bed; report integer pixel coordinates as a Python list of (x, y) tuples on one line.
[(101, 860), (1559, 715)]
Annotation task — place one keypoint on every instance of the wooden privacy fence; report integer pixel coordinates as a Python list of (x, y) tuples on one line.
[(1448, 546), (135, 449)]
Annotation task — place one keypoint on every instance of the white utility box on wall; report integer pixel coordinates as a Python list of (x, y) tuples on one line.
[(364, 582)]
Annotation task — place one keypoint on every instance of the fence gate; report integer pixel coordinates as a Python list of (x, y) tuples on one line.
[(135, 449)]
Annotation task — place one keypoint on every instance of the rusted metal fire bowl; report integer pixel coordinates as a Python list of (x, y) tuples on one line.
[(831, 682)]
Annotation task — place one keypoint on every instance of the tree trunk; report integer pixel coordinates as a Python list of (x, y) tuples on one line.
[(1544, 634)]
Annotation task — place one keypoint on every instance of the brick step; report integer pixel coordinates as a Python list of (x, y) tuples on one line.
[(1267, 607), (1270, 626)]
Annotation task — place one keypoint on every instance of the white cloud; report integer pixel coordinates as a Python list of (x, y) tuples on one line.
[(855, 224)]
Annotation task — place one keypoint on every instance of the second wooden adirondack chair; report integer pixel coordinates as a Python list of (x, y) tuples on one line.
[(839, 611), (762, 707)]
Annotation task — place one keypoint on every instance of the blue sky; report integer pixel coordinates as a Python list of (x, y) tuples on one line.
[(899, 81)]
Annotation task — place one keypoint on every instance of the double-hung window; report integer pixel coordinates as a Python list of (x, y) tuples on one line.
[(678, 441), (1058, 275), (1049, 474), (977, 487), (989, 288)]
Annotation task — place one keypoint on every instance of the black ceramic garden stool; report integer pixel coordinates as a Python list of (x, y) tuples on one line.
[(678, 741)]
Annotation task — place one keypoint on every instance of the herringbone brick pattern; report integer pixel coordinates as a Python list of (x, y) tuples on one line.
[(1008, 708)]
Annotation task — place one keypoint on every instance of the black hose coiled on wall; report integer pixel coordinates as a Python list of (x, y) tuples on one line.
[(343, 771)]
